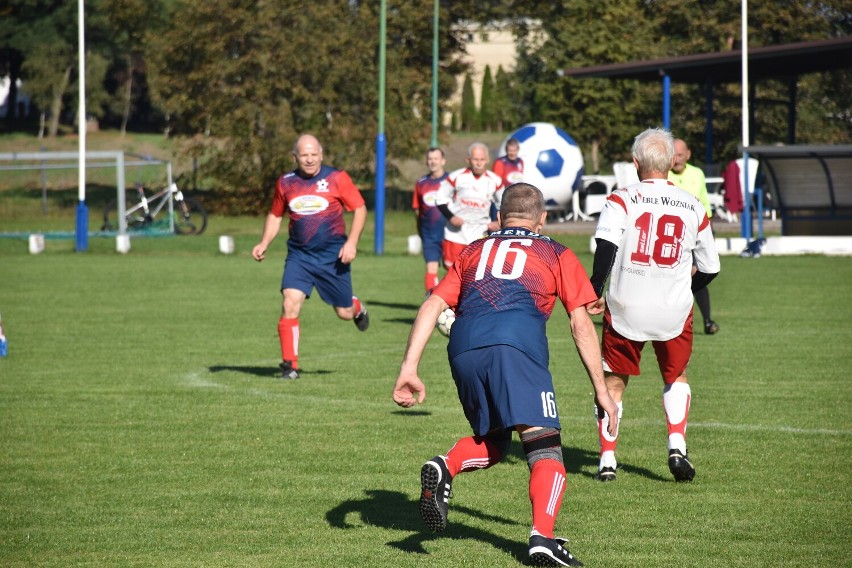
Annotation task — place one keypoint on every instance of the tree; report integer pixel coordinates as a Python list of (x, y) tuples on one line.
[(602, 113), (127, 34), (253, 74), (488, 112), (47, 82), (44, 36), (469, 115), (606, 114), (505, 115)]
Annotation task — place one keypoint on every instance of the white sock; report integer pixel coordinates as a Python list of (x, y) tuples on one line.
[(608, 457), (676, 401)]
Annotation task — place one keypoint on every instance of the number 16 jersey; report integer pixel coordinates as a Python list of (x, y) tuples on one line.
[(504, 288), (660, 231)]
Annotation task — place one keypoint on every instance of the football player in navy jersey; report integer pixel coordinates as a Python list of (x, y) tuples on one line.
[(503, 289), (430, 220), (319, 252)]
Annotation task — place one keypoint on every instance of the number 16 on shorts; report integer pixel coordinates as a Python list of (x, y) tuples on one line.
[(548, 405)]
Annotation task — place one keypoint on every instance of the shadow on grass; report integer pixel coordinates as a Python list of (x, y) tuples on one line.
[(585, 463), (258, 371), (394, 510), (412, 413), (406, 321), (393, 305)]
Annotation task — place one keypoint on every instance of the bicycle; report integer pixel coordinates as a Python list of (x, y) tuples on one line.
[(188, 216)]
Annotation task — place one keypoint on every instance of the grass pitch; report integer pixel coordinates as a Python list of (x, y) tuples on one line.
[(142, 424)]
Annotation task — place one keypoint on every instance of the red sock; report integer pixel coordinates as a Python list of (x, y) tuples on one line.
[(356, 305), (288, 334), (430, 281), (472, 453), (547, 485)]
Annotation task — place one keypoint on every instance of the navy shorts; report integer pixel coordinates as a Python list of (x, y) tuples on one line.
[(332, 281), (502, 387), (432, 247)]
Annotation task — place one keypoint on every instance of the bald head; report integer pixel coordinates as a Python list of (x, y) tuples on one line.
[(307, 152), (682, 154)]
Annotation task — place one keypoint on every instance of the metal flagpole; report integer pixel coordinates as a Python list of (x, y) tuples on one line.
[(435, 22), (82, 229), (746, 220)]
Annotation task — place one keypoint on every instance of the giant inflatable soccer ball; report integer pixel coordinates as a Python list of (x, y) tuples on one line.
[(553, 161)]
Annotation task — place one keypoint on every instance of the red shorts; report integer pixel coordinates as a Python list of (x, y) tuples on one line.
[(450, 251), (622, 355)]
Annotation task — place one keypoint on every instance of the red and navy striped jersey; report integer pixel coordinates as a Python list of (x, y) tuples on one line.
[(509, 171), (503, 289), (431, 219), (316, 206)]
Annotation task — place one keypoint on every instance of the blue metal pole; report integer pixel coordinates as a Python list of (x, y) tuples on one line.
[(81, 240), (381, 149), (667, 101), (381, 143)]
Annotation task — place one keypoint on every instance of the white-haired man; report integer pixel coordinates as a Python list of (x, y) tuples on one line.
[(648, 236)]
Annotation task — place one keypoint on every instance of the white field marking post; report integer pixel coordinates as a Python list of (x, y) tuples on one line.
[(226, 244), (36, 243)]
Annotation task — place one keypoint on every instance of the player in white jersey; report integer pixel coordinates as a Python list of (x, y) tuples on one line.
[(649, 235), (465, 199)]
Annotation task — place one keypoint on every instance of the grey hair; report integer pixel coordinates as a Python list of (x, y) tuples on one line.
[(475, 145), (654, 150)]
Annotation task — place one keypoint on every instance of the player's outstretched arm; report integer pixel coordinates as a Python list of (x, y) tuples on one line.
[(409, 389), (588, 347)]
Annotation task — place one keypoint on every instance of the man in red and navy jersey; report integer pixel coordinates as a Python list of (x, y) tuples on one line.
[(510, 167), (649, 235), (319, 252), (503, 289), (430, 220)]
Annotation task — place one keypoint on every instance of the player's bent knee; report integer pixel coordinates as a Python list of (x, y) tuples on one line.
[(543, 444), (345, 313), (501, 440)]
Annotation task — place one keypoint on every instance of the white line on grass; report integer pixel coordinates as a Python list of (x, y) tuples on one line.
[(739, 427), (195, 380), (762, 427)]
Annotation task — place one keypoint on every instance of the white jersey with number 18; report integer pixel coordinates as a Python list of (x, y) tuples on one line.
[(660, 231)]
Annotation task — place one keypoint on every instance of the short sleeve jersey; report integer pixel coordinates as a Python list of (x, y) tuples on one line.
[(316, 206), (509, 171), (503, 289), (692, 181), (469, 197), (432, 221), (659, 230)]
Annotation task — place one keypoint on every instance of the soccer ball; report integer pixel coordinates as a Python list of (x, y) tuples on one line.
[(553, 161), (445, 321)]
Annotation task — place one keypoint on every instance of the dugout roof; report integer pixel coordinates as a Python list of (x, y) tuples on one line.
[(774, 61)]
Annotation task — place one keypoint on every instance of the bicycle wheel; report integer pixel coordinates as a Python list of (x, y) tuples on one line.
[(135, 221), (190, 217)]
